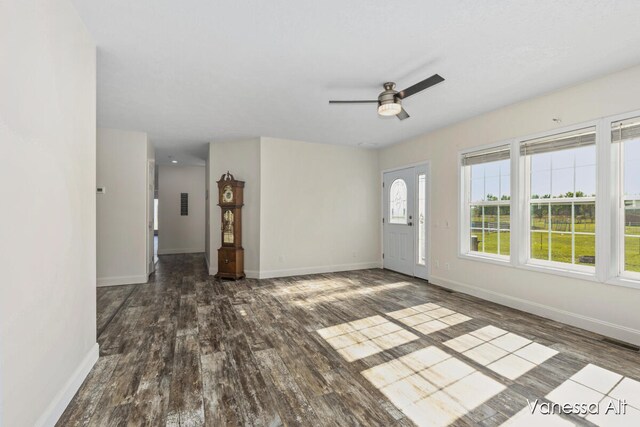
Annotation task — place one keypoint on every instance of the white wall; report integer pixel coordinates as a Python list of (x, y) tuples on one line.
[(607, 309), (122, 210), (47, 220), (176, 233), (320, 208), (242, 159), (308, 207)]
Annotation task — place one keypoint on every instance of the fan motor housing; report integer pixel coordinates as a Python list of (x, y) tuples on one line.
[(389, 94)]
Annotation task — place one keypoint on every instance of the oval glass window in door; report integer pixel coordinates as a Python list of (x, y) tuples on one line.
[(398, 202)]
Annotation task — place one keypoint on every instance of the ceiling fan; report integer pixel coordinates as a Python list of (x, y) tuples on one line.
[(390, 101)]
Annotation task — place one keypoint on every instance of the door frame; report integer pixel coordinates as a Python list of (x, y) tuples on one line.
[(150, 232), (427, 165)]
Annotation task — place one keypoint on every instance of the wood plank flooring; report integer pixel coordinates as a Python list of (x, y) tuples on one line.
[(324, 350)]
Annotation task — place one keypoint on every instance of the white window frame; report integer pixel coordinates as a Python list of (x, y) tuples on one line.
[(609, 208), (616, 272), (464, 209), (421, 270), (525, 207)]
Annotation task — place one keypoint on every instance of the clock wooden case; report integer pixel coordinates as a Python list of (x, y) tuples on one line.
[(231, 253)]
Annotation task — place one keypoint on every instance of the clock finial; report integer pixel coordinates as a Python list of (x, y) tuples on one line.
[(227, 177)]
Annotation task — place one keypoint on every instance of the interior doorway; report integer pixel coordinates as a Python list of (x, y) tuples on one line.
[(405, 220)]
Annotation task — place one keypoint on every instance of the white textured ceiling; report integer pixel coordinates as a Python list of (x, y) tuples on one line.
[(193, 71)]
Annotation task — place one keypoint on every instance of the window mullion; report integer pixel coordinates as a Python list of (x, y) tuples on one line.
[(607, 198), (483, 228), (573, 231), (550, 231), (518, 206), (498, 208)]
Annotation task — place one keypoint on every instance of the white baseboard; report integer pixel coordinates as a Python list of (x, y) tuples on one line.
[(592, 324), (180, 251), (122, 280), (316, 270), (61, 401), (251, 274), (256, 274), (206, 258)]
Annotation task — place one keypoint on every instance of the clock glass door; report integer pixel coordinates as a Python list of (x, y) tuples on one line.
[(227, 227)]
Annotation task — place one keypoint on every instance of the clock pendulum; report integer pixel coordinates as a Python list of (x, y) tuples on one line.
[(231, 253)]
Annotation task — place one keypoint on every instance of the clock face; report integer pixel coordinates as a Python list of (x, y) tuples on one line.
[(227, 194)]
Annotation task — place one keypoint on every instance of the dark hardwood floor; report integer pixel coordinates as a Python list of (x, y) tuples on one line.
[(368, 348)]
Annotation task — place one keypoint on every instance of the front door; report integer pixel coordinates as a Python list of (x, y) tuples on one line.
[(398, 217), (405, 221)]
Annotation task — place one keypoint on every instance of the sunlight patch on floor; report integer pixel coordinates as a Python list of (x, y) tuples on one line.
[(348, 294), (503, 352), (591, 385), (310, 286), (431, 387), (525, 418), (365, 337), (428, 318), (595, 384)]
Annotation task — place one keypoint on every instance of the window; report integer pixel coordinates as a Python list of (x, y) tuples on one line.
[(626, 138), (398, 202), (562, 192), (573, 208), (155, 214), (422, 215), (487, 201)]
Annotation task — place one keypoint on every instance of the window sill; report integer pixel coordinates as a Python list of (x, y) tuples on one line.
[(555, 269), (558, 269), (625, 282), (495, 259)]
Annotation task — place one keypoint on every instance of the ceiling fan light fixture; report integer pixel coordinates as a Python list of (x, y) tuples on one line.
[(389, 109)]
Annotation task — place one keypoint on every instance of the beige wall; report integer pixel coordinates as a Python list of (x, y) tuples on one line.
[(608, 309), (179, 234), (48, 215), (294, 194), (122, 209), (242, 159), (320, 208)]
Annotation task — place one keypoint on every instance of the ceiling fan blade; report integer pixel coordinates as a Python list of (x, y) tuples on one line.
[(354, 102), (403, 114), (426, 83)]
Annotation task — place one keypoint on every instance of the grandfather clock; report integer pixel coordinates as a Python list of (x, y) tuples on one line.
[(231, 253)]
